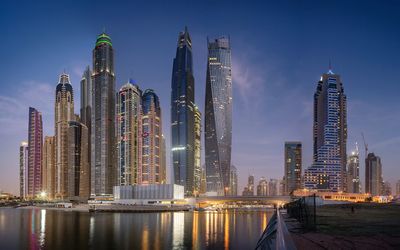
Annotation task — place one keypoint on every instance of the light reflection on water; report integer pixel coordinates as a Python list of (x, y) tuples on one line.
[(52, 229)]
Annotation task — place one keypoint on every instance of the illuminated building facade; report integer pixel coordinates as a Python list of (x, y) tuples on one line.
[(197, 151), (398, 188), (23, 169), (293, 166), (64, 112), (218, 116), (373, 175), (353, 172), (328, 171), (150, 171), (182, 115), (35, 146), (249, 189), (273, 187), (233, 186), (129, 134), (262, 187), (78, 162), (103, 160), (49, 166)]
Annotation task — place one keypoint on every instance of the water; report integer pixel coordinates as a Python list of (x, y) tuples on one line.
[(55, 229)]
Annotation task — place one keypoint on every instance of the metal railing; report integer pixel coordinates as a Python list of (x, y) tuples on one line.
[(304, 210), (276, 235)]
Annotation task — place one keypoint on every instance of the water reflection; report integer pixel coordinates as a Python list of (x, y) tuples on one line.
[(53, 229)]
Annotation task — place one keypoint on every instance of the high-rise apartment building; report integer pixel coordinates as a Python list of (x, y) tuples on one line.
[(328, 171), (273, 187), (49, 166), (86, 105), (373, 175), (262, 187), (233, 186), (182, 115), (293, 166), (218, 116), (353, 172), (129, 134), (151, 172), (163, 165), (197, 151), (23, 169), (78, 162), (103, 145), (35, 145), (64, 112)]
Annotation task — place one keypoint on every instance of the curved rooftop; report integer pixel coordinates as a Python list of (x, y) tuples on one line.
[(103, 38), (64, 83)]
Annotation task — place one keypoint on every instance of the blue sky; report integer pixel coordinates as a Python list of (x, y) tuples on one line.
[(279, 52)]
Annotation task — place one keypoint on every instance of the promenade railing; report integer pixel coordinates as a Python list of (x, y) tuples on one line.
[(304, 210)]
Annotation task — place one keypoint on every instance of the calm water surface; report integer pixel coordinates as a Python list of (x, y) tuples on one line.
[(54, 229)]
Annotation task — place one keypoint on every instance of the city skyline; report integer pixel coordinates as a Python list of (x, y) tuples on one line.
[(251, 154)]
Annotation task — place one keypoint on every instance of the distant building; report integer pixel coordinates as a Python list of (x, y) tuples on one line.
[(197, 151), (273, 187), (353, 172), (64, 112), (129, 133), (233, 181), (203, 181), (86, 106), (282, 187), (262, 187), (218, 115), (148, 194), (386, 188), (249, 189), (23, 169), (398, 188), (151, 172), (163, 164), (78, 162), (35, 146), (293, 166), (328, 172), (373, 175), (49, 166)]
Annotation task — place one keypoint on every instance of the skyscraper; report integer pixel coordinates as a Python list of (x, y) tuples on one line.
[(328, 171), (35, 144), (262, 187), (182, 114), (151, 172), (129, 134), (163, 164), (233, 181), (103, 162), (23, 169), (49, 166), (64, 112), (273, 187), (293, 163), (197, 150), (373, 175), (353, 172), (218, 116), (86, 105), (78, 162)]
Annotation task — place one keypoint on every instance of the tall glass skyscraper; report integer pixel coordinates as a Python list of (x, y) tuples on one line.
[(218, 116), (373, 175), (182, 114), (86, 105), (103, 162), (129, 134), (64, 112), (293, 159), (35, 145), (151, 171), (353, 172), (197, 151), (328, 171), (49, 166)]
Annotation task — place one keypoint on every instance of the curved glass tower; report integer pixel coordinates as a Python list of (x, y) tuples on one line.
[(218, 116), (103, 163), (182, 114)]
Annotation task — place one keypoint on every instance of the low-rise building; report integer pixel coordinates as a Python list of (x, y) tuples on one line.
[(148, 194)]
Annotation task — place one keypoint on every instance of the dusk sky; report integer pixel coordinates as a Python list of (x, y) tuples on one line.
[(279, 52)]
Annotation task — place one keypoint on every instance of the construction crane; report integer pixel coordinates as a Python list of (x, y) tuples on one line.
[(365, 145)]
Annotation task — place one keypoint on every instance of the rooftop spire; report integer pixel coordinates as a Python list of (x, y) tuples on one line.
[(330, 68)]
